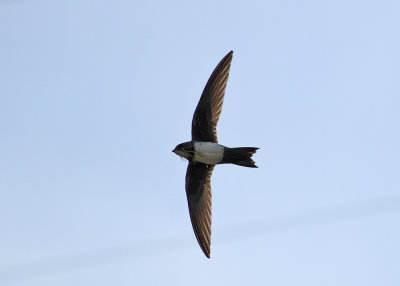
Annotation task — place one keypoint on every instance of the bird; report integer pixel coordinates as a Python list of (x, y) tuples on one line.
[(203, 152)]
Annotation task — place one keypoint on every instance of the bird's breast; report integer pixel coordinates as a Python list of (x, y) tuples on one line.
[(208, 152)]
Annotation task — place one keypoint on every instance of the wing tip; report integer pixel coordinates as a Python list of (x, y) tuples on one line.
[(206, 251), (229, 54)]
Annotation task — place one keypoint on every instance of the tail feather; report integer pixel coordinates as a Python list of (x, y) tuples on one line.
[(243, 156)]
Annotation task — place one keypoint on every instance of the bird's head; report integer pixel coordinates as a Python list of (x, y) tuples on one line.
[(184, 150)]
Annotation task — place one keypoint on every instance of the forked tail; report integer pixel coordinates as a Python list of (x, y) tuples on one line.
[(242, 156)]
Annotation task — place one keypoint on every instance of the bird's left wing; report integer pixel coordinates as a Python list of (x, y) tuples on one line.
[(208, 110), (198, 191)]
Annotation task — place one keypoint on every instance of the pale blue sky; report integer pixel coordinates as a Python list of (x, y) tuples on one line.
[(94, 95)]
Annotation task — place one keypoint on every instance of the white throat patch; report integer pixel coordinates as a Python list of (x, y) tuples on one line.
[(208, 153)]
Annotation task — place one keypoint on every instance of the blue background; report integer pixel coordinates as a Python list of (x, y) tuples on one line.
[(94, 95)]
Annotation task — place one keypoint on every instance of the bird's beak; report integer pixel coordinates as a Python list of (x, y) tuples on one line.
[(174, 150)]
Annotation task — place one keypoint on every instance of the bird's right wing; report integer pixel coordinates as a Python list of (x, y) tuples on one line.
[(198, 191)]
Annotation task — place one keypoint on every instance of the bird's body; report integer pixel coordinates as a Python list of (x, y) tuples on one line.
[(208, 153), (203, 152), (211, 153)]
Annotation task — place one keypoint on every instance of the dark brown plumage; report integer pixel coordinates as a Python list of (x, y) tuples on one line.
[(198, 191), (198, 175), (208, 110)]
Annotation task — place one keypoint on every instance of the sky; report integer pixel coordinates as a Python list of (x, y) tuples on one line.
[(94, 95)]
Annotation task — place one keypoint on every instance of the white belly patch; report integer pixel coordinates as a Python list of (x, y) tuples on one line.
[(208, 153)]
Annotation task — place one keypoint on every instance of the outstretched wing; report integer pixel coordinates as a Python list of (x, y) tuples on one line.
[(198, 191), (208, 110)]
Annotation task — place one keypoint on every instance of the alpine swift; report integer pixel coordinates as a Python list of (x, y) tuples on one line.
[(203, 152)]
